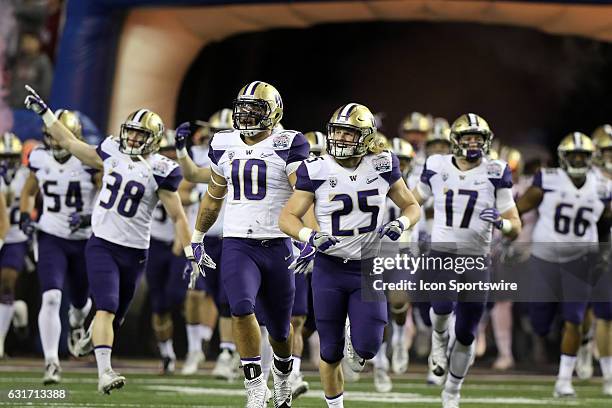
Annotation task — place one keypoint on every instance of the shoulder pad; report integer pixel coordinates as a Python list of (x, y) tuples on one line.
[(495, 168)]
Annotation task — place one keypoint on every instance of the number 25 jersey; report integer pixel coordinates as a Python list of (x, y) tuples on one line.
[(257, 179), (124, 211)]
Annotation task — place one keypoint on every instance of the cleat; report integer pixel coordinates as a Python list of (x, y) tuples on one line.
[(564, 389), (52, 374), (354, 361), (400, 358), (225, 367), (268, 394), (438, 360), (584, 361), (74, 336), (450, 400), (281, 393), (256, 392), (168, 366), (192, 362), (503, 363), (81, 345), (298, 385), (349, 374), (109, 381), (382, 381), (607, 387), (433, 379)]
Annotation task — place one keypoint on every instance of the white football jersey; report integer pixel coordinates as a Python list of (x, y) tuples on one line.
[(199, 155), (65, 188), (350, 203), (257, 179), (567, 215), (13, 194), (124, 210), (459, 198)]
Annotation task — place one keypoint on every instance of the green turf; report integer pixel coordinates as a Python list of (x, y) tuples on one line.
[(144, 390)]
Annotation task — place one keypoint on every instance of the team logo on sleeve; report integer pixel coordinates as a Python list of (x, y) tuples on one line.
[(230, 155), (444, 176), (160, 167), (280, 142), (382, 164), (494, 170), (333, 182)]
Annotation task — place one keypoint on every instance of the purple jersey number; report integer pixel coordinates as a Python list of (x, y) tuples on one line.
[(132, 194), (347, 208), (469, 208), (247, 177)]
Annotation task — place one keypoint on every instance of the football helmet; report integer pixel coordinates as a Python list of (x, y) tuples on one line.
[(141, 133), (72, 122), (220, 120), (575, 154), (416, 122), (405, 153), (257, 108), (513, 157), (438, 138), (602, 137), (316, 140), (470, 124), (10, 155), (349, 131)]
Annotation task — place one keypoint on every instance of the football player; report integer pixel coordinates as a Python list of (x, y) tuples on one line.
[(574, 213), (68, 189), (13, 252), (348, 188), (463, 184), (254, 165), (316, 140), (602, 137), (135, 178)]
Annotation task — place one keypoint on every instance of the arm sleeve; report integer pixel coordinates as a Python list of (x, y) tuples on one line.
[(304, 181), (394, 174), (537, 179), (424, 190), (100, 150), (504, 200), (298, 152), (171, 181)]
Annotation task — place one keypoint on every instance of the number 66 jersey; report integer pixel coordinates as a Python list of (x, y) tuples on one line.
[(124, 211), (567, 215)]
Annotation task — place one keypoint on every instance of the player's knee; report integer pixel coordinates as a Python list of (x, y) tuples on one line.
[(368, 347), (242, 308), (331, 353), (52, 298)]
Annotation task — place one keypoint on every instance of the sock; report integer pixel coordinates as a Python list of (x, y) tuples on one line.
[(76, 317), (460, 359), (226, 345), (335, 402), (297, 365), (606, 367), (283, 364), (566, 367), (206, 332), (251, 367), (398, 333), (194, 341), (266, 353), (166, 349), (103, 358), (380, 359), (453, 384), (439, 322), (49, 324)]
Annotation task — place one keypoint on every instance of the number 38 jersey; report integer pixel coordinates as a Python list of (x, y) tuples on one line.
[(567, 215), (257, 179), (66, 188), (12, 193), (124, 211), (459, 198), (350, 203)]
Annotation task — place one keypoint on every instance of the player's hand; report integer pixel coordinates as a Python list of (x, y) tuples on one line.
[(34, 102), (304, 262), (322, 241), (493, 216), (77, 221), (183, 132), (195, 252), (392, 229), (25, 224)]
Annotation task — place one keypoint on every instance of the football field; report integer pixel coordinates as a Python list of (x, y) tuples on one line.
[(151, 390)]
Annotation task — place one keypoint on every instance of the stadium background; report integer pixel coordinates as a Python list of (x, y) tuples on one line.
[(536, 70)]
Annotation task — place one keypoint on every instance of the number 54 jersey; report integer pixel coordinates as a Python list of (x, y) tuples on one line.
[(567, 215), (124, 211), (66, 188), (257, 179), (350, 203)]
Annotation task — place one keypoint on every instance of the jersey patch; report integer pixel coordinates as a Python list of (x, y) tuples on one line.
[(280, 142), (382, 164)]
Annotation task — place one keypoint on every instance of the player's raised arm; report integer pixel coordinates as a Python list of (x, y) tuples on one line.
[(67, 140), (190, 170)]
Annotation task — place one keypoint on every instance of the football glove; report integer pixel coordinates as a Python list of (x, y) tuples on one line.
[(392, 229), (25, 224), (303, 263), (34, 102), (183, 132), (322, 241), (77, 221), (493, 216)]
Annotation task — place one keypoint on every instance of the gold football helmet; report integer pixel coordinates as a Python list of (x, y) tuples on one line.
[(349, 131), (141, 133), (220, 120), (405, 153), (575, 154), (438, 138), (470, 124), (71, 120), (602, 137), (416, 122), (257, 108), (10, 155), (316, 140)]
